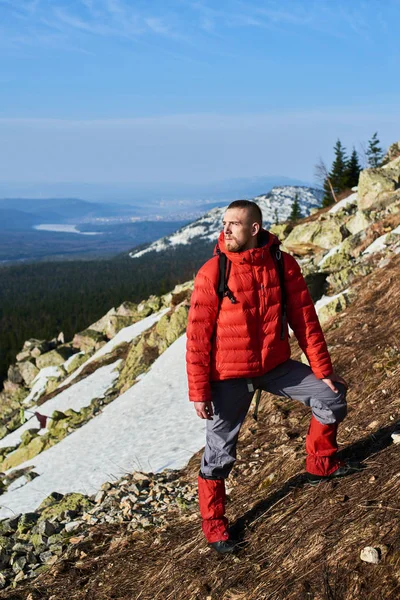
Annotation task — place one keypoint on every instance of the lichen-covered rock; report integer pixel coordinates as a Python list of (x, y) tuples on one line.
[(334, 306), (72, 502), (377, 186), (341, 280), (115, 323), (24, 355), (325, 233), (76, 361), (170, 327), (89, 339), (28, 371), (27, 521), (51, 499), (335, 262), (358, 222), (153, 343), (281, 230), (23, 453), (152, 304), (28, 435), (54, 358)]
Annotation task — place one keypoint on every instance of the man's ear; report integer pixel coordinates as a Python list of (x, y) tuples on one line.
[(255, 229)]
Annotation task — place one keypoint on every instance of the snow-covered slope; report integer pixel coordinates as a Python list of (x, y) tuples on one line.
[(275, 206), (150, 427)]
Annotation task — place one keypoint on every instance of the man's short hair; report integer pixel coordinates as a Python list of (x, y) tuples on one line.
[(252, 207)]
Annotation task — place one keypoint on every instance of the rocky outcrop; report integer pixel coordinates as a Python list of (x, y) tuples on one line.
[(88, 340), (326, 232), (379, 187), (152, 344)]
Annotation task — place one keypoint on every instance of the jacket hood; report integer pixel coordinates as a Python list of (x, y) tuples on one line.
[(265, 240)]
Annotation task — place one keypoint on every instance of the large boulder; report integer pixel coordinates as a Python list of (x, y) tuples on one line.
[(377, 187), (28, 370), (88, 340), (326, 232), (54, 358), (358, 222)]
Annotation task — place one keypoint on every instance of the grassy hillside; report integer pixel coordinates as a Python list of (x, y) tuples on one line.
[(298, 542)]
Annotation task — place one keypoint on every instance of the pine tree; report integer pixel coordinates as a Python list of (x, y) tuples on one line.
[(337, 175), (276, 217), (374, 152), (295, 215), (353, 169)]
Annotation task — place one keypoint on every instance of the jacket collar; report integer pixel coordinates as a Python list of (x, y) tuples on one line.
[(252, 256)]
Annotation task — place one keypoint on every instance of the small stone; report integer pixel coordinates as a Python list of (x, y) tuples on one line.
[(370, 555), (372, 479), (373, 425), (46, 528), (100, 496), (20, 575), (19, 563), (106, 486), (73, 526)]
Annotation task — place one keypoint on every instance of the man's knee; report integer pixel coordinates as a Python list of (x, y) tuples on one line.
[(332, 408)]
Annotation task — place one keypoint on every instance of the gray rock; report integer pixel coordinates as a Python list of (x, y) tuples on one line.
[(73, 526), (45, 556), (28, 371), (370, 555), (46, 528), (19, 563), (14, 374)]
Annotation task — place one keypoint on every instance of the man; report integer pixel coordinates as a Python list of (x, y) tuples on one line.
[(240, 343)]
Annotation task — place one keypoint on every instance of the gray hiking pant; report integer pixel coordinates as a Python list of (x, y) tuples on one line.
[(231, 400)]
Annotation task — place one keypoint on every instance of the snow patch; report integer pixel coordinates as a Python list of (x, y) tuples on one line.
[(127, 334), (326, 299), (40, 383), (150, 427), (349, 201)]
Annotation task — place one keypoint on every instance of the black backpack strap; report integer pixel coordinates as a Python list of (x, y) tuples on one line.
[(278, 259), (224, 271)]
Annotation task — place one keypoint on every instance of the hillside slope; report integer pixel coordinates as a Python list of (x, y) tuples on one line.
[(114, 398), (298, 541)]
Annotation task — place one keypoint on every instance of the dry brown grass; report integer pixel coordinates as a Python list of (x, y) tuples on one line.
[(298, 542)]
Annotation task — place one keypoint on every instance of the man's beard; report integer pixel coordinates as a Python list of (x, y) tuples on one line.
[(236, 246)]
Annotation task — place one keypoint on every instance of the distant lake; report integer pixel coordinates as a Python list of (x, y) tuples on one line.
[(62, 228)]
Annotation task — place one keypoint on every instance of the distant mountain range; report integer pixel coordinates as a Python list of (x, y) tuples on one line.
[(275, 205), (153, 197)]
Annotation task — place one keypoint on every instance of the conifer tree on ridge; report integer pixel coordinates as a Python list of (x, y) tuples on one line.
[(374, 152)]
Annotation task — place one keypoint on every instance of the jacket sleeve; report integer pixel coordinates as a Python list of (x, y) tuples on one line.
[(303, 319), (201, 322)]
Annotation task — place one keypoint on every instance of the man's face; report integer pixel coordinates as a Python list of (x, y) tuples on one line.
[(240, 232)]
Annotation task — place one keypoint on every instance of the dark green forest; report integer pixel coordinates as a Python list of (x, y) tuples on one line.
[(40, 300)]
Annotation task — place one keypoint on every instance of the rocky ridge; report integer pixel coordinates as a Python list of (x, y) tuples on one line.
[(337, 248)]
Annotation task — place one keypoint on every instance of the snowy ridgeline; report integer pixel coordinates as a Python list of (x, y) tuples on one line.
[(276, 205)]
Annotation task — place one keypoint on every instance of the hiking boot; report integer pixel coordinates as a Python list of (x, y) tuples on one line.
[(224, 546), (348, 468)]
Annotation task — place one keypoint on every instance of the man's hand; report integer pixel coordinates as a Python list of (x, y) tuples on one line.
[(204, 410), (334, 377)]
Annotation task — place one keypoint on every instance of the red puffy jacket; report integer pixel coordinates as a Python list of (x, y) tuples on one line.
[(243, 339)]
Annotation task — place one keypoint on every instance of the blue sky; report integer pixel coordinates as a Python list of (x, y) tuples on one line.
[(107, 91)]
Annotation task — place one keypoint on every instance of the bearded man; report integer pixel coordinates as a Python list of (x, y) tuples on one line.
[(240, 343)]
